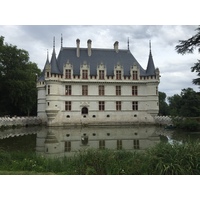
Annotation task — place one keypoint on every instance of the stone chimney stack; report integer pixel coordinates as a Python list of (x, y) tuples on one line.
[(116, 45), (78, 48), (89, 44)]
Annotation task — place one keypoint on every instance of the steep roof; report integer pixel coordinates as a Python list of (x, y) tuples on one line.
[(108, 57), (150, 66)]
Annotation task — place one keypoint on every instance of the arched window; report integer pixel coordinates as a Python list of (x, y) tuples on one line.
[(84, 111)]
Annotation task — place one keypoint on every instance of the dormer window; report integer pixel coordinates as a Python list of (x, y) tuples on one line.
[(84, 74), (68, 73), (135, 75), (118, 75), (47, 74), (101, 74)]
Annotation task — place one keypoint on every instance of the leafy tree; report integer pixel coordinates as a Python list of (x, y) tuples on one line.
[(187, 104), (163, 106), (188, 46), (17, 81)]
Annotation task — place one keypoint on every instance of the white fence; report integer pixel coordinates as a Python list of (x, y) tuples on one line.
[(163, 120), (19, 121)]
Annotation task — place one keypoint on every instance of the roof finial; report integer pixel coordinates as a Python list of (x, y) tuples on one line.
[(150, 45), (54, 43), (128, 43), (61, 40), (47, 54)]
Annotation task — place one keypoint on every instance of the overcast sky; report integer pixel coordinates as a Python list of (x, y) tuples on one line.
[(174, 68), (30, 27)]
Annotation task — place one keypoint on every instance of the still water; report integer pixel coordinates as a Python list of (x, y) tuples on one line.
[(66, 141)]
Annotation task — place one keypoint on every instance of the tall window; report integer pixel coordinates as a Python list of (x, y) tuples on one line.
[(101, 90), (136, 144), (68, 106), (135, 105), (67, 146), (68, 90), (68, 73), (118, 105), (118, 75), (84, 90), (47, 74), (118, 90), (156, 90), (101, 144), (135, 75), (101, 74), (134, 90), (101, 105), (84, 74), (48, 89), (119, 144)]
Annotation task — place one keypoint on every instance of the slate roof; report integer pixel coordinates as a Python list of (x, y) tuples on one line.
[(108, 57)]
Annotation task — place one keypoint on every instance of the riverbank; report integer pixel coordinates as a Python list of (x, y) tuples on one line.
[(163, 159)]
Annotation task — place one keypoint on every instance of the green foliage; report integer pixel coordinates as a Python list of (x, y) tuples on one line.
[(187, 104), (17, 81), (188, 46), (163, 106), (163, 159)]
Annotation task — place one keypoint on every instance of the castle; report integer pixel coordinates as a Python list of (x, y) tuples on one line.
[(95, 86)]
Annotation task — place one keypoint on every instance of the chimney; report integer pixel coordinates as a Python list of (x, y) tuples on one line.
[(89, 43), (78, 48), (116, 44)]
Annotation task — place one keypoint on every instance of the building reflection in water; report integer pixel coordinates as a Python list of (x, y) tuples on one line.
[(60, 142)]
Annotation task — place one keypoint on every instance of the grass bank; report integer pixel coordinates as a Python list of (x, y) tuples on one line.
[(163, 159)]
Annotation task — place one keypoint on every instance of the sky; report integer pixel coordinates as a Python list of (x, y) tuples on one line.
[(174, 68)]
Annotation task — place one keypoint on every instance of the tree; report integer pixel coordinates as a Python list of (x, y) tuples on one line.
[(163, 106), (17, 81), (187, 104), (188, 46)]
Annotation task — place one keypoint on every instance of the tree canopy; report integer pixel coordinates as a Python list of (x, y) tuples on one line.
[(17, 81), (188, 46)]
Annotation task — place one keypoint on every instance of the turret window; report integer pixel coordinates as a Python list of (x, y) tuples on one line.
[(48, 89)]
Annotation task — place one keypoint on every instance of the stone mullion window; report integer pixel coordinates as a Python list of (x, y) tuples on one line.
[(101, 105), (68, 90), (118, 90), (68, 73), (101, 90), (68, 105), (84, 74), (134, 90), (134, 105), (101, 74), (118, 105), (84, 90), (135, 75), (118, 75)]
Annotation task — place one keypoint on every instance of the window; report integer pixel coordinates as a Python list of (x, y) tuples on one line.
[(136, 144), (118, 90), (68, 105), (67, 146), (118, 105), (84, 74), (48, 89), (101, 105), (101, 90), (47, 74), (68, 73), (134, 90), (101, 74), (119, 144), (101, 144), (84, 90), (135, 105), (118, 75), (135, 75), (68, 90), (156, 90)]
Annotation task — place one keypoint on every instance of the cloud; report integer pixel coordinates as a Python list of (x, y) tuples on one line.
[(174, 68)]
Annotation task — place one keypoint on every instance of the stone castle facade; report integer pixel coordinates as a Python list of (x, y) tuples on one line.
[(96, 87)]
